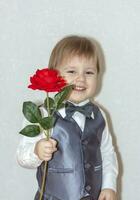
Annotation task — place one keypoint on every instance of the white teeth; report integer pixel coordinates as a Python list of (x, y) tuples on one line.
[(79, 88)]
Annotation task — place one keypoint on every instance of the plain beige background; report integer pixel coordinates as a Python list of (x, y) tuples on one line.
[(28, 31)]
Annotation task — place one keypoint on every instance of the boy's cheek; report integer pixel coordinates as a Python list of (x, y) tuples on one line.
[(69, 79)]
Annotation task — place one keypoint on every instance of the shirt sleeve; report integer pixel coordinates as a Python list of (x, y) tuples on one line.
[(109, 158), (25, 152)]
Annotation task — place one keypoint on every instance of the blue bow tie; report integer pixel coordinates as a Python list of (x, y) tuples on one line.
[(85, 109)]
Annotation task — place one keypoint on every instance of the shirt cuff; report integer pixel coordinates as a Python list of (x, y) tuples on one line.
[(109, 182), (34, 160), (27, 158)]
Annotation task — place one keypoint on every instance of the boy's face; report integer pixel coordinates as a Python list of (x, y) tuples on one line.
[(82, 72)]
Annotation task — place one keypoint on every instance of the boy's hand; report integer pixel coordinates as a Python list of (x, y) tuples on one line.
[(44, 149), (107, 194)]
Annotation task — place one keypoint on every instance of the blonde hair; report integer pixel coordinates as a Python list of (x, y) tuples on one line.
[(73, 46)]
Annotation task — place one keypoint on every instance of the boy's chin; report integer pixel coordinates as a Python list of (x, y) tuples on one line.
[(76, 100)]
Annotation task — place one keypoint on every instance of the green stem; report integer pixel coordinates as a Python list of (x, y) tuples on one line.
[(43, 181), (48, 105), (47, 134)]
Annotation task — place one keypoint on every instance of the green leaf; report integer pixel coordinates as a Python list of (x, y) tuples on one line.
[(51, 104), (59, 106), (47, 122), (30, 130), (31, 111), (61, 96)]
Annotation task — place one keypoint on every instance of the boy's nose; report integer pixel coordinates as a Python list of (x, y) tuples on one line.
[(80, 77)]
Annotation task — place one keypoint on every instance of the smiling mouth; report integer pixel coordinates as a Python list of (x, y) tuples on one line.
[(79, 88)]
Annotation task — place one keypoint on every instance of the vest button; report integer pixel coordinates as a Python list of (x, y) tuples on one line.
[(87, 165), (88, 187), (85, 142)]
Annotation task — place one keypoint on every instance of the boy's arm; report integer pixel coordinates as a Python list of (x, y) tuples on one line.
[(25, 152), (110, 163)]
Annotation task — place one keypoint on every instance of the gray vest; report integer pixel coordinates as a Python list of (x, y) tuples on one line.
[(76, 167)]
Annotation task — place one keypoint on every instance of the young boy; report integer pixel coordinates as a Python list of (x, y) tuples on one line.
[(82, 163)]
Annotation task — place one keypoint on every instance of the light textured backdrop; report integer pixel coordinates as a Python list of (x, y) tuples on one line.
[(28, 31)]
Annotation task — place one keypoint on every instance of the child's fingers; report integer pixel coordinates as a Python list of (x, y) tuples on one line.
[(48, 144), (48, 150), (48, 153), (54, 142), (47, 157), (50, 147), (101, 197), (107, 194), (45, 148)]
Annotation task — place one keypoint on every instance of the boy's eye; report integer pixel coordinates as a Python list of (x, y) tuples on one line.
[(89, 72), (71, 71)]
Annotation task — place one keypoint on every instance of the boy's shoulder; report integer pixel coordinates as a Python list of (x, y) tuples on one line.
[(100, 108)]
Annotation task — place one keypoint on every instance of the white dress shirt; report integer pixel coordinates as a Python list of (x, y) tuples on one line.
[(27, 158)]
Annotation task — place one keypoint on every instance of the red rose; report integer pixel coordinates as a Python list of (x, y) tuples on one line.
[(48, 80)]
